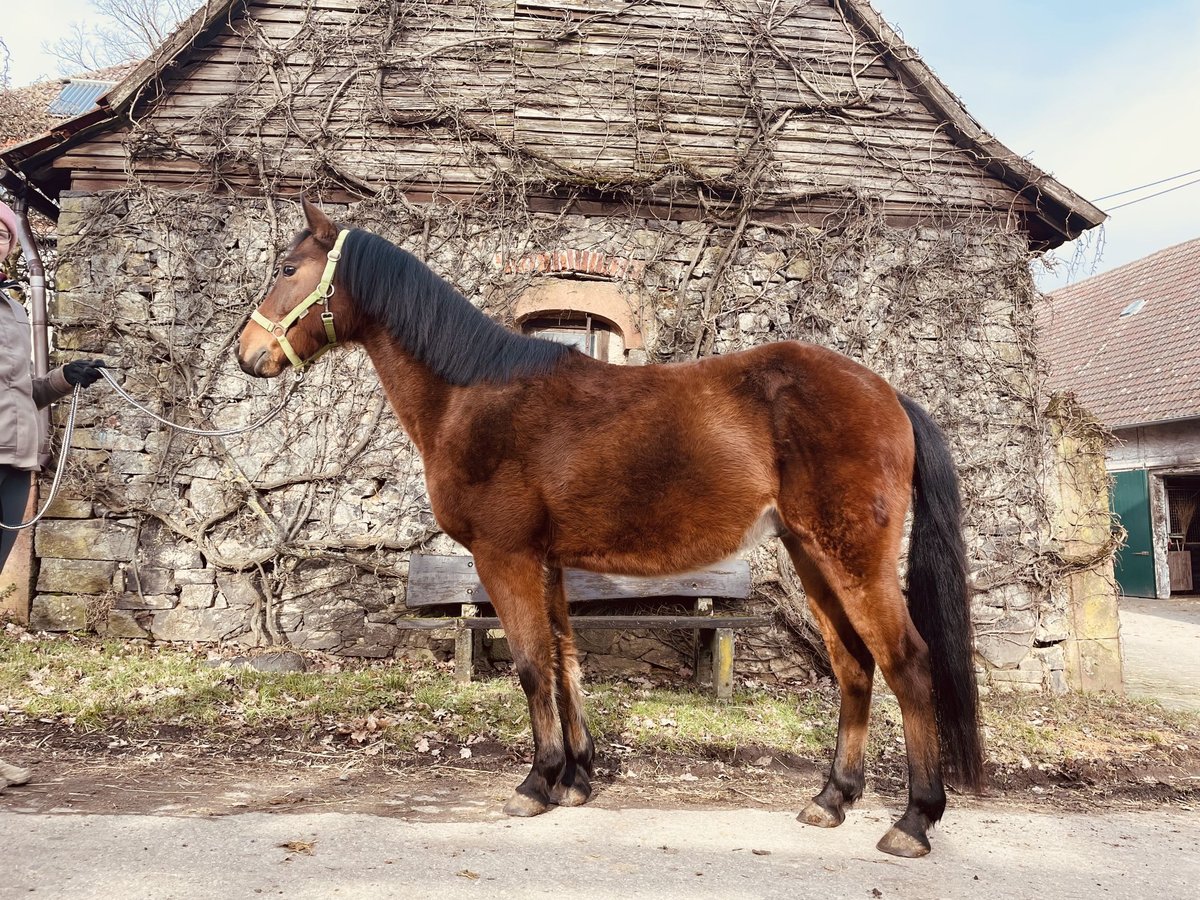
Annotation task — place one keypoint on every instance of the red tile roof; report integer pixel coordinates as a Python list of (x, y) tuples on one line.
[(1139, 368)]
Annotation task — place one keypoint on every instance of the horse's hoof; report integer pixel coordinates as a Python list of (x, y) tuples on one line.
[(523, 806), (816, 814), (901, 843), (570, 795)]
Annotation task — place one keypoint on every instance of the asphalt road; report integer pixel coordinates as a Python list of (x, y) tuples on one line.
[(979, 852)]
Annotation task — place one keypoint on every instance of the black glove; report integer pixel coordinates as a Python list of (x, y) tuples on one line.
[(83, 372)]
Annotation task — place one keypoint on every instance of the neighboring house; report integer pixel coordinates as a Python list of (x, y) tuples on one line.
[(650, 181), (1127, 343)]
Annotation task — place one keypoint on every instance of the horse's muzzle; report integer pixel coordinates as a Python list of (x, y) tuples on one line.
[(256, 365)]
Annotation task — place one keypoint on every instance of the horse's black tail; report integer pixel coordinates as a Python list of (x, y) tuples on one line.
[(939, 601)]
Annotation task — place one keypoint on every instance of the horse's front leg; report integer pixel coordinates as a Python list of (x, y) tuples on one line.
[(574, 784), (516, 584)]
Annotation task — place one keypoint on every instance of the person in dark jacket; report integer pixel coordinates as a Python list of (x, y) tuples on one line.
[(21, 396)]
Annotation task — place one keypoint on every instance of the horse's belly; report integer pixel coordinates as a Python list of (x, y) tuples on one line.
[(646, 540)]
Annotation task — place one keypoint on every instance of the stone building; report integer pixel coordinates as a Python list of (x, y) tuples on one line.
[(651, 181)]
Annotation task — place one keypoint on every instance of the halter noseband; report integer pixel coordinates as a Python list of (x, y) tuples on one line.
[(320, 294)]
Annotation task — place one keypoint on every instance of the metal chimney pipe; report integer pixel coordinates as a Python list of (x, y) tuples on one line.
[(37, 288)]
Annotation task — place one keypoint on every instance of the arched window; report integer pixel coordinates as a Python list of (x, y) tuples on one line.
[(585, 332), (596, 317)]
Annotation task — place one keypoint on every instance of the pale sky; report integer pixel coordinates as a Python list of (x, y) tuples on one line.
[(1101, 94)]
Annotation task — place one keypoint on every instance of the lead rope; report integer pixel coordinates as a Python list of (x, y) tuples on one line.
[(62, 464), (70, 430), (227, 432)]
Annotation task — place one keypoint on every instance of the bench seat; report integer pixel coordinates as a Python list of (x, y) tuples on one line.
[(452, 580)]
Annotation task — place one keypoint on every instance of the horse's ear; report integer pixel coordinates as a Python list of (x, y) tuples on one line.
[(319, 224)]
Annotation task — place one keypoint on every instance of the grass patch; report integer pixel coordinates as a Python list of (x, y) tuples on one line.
[(1083, 726), (97, 685), (93, 685)]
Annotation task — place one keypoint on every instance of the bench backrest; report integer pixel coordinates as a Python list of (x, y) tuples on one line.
[(434, 580)]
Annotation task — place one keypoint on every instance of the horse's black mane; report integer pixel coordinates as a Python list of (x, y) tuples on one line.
[(434, 322)]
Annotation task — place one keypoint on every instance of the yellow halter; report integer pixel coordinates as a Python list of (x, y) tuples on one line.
[(320, 294)]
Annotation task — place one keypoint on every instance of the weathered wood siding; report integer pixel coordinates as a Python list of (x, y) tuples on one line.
[(786, 102), (1166, 445)]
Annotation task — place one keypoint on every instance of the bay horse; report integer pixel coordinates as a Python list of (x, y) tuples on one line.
[(538, 457)]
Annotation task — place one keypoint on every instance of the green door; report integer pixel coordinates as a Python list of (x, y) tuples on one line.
[(1135, 561)]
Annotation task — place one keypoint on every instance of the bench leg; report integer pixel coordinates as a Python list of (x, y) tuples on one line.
[(464, 646), (464, 662), (702, 645), (722, 662)]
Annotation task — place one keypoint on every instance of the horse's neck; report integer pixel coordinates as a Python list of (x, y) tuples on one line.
[(417, 395)]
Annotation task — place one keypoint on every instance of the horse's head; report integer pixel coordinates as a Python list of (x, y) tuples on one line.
[(307, 309)]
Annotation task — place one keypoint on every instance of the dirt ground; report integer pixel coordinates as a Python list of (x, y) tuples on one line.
[(174, 773)]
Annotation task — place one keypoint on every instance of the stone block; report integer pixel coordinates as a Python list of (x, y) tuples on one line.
[(145, 601), (122, 623), (1095, 607), (207, 625), (59, 612), (162, 549), (239, 590), (69, 508), (197, 596), (76, 576), (316, 640), (377, 641), (195, 576), (1030, 675), (1053, 626), (1011, 597), (1007, 641), (799, 269), (85, 539), (1052, 659), (104, 438), (149, 580), (128, 462), (1095, 665)]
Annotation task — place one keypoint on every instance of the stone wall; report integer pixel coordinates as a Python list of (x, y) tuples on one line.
[(300, 532)]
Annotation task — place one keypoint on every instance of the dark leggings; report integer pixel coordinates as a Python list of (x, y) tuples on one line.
[(14, 494)]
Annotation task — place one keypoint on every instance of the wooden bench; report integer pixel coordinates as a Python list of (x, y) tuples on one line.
[(452, 581)]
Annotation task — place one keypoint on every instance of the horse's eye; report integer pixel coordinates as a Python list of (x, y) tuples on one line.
[(289, 271)]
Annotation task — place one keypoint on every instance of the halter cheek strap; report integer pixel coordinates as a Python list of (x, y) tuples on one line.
[(320, 294)]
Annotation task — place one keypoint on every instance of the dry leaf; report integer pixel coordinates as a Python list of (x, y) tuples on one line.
[(305, 847), (467, 873)]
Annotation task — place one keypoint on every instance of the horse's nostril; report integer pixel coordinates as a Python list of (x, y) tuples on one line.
[(253, 365), (260, 360)]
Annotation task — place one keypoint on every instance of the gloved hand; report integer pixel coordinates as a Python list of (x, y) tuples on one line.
[(83, 372)]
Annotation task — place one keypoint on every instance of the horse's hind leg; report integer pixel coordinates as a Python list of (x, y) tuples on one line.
[(854, 668), (516, 585), (876, 609), (574, 785)]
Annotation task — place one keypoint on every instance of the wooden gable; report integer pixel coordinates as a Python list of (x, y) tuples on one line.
[(792, 107)]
